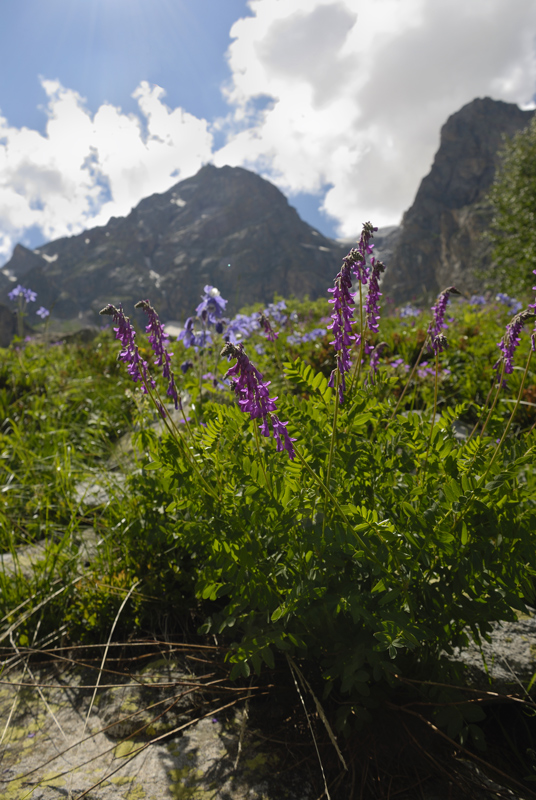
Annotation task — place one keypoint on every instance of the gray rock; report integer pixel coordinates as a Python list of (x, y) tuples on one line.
[(506, 664), (48, 751), (439, 243), (227, 227)]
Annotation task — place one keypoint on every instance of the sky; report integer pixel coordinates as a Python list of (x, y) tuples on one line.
[(338, 102)]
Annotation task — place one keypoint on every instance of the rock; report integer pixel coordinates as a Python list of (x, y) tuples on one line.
[(25, 559), (49, 752), (507, 664), (227, 227), (141, 703), (440, 242)]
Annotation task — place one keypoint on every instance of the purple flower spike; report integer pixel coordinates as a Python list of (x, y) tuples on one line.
[(372, 307), (343, 302), (283, 440), (253, 396), (137, 367), (158, 339), (438, 323), (510, 341)]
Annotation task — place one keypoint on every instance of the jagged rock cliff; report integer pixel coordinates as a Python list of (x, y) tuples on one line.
[(440, 242), (227, 227)]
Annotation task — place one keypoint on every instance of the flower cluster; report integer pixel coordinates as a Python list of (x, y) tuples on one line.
[(514, 305), (25, 294), (438, 342), (241, 327), (158, 340), (43, 312), (343, 301), (211, 308), (511, 340), (409, 311), (372, 308), (310, 336), (137, 367), (254, 397), (477, 300)]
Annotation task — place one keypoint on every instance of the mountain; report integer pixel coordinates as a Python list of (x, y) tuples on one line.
[(226, 227), (440, 239)]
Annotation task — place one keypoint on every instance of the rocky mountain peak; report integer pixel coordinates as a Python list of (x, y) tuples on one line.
[(439, 242), (223, 226)]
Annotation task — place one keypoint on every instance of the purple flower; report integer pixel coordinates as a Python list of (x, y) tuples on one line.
[(241, 327), (21, 291), (185, 366), (212, 306), (254, 398), (264, 322), (438, 323), (274, 310), (409, 311), (137, 367), (343, 302), (187, 334), (158, 339), (477, 300), (43, 312), (372, 308), (510, 341), (513, 304)]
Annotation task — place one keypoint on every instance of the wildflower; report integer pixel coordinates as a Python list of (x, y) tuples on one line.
[(514, 305), (511, 340), (271, 335), (158, 339), (254, 398), (212, 306), (409, 311), (343, 302), (187, 334), (191, 338), (185, 366), (241, 327), (274, 310), (137, 367), (21, 291), (477, 300), (438, 323), (372, 309), (43, 312)]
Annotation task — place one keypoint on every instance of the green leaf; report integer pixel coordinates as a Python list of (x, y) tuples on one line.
[(278, 613)]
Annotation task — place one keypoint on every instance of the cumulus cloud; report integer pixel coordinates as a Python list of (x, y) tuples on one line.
[(359, 89), (87, 168), (339, 98)]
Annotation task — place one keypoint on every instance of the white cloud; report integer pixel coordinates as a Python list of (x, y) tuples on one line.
[(344, 98), (360, 89), (87, 168)]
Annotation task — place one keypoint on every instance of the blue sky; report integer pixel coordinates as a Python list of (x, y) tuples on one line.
[(337, 102)]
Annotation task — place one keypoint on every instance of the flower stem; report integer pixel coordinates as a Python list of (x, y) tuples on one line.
[(261, 459), (432, 421), (333, 438), (411, 374)]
